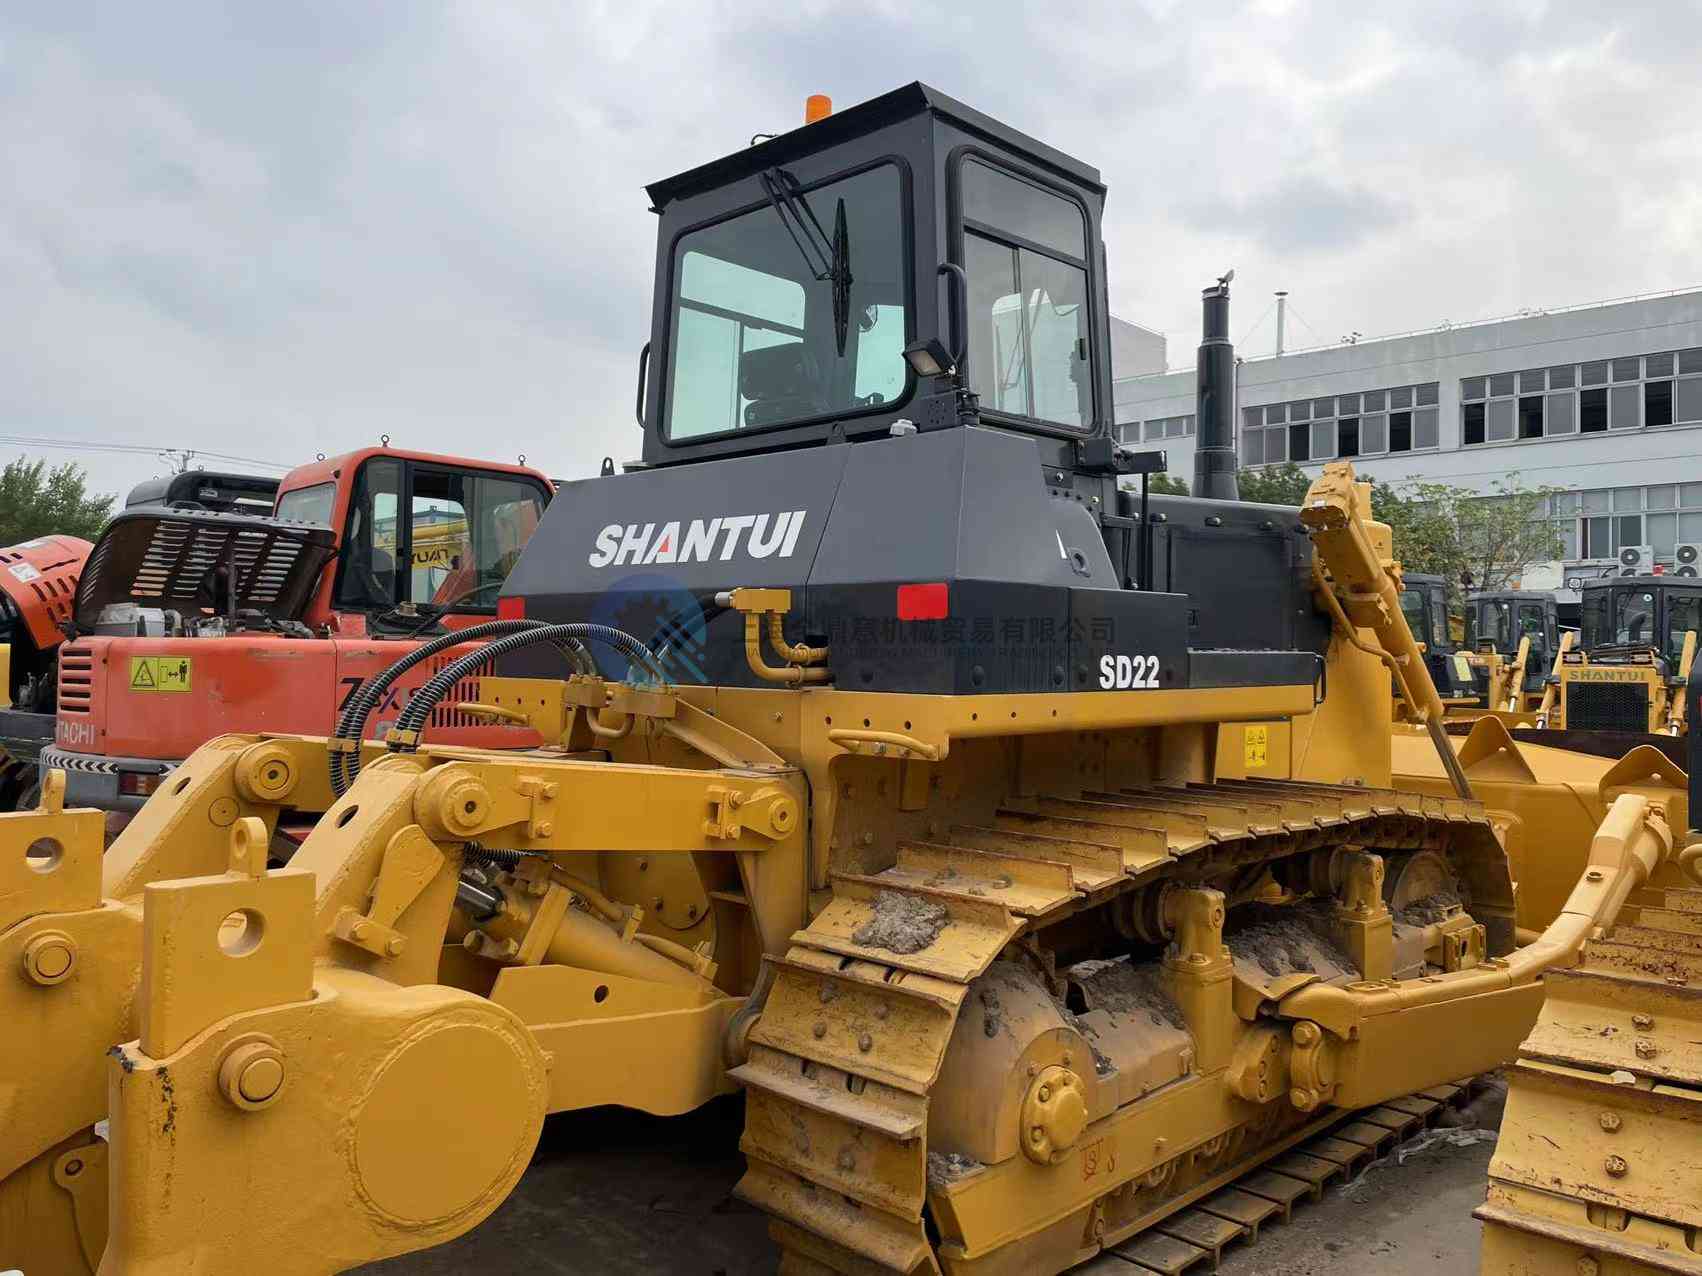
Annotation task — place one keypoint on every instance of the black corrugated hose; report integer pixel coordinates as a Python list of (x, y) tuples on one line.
[(351, 723), (413, 717)]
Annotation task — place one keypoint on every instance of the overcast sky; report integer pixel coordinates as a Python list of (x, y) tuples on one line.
[(270, 229)]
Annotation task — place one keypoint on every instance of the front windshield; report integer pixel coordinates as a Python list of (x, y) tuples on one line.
[(461, 534), (308, 504), (1634, 616), (759, 337), (1497, 626), (1684, 615), (1533, 624)]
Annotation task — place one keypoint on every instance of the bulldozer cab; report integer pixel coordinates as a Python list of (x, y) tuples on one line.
[(1629, 613), (1424, 603), (1499, 620), (793, 277)]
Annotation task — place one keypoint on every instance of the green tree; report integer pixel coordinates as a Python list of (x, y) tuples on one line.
[(1473, 540), (37, 501), (1283, 484), (1165, 485)]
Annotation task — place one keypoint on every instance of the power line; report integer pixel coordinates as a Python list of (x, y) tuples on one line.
[(133, 449)]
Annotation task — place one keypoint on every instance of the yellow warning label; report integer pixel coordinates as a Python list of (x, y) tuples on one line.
[(159, 673), (1462, 667), (1258, 747)]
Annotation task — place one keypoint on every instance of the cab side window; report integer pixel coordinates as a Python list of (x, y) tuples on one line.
[(1030, 337), (367, 579)]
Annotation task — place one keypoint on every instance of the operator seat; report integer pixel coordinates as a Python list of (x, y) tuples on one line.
[(783, 383)]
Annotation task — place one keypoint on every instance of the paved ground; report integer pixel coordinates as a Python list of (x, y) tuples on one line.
[(611, 1192)]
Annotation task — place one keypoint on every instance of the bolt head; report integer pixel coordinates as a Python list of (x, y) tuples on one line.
[(1642, 1022), (820, 1029), (394, 945), (1616, 1166), (1589, 1266), (50, 958), (865, 1043), (251, 1074), (1610, 1121), (1646, 1048)]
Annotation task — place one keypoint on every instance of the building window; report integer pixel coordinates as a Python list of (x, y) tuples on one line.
[(1602, 521), (1625, 393), (1592, 411), (1530, 415), (1471, 421), (1166, 427), (1356, 425)]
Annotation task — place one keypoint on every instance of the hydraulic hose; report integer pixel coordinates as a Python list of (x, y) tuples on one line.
[(413, 717), (351, 723)]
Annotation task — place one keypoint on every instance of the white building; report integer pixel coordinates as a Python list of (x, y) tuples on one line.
[(1604, 401)]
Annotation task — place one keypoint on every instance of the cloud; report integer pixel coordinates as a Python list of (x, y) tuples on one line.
[(1301, 214), (273, 230)]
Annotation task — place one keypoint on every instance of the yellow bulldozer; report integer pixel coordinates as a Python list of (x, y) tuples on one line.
[(1037, 855)]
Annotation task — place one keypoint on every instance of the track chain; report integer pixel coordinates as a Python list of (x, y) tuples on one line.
[(853, 1035)]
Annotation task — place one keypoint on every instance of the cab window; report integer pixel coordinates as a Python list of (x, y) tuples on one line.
[(1634, 616), (1412, 607), (456, 544), (794, 310), (1533, 624), (1498, 626), (1595, 619), (1439, 621), (1030, 337), (308, 504), (1684, 615)]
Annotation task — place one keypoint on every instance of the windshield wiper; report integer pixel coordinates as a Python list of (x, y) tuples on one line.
[(828, 259)]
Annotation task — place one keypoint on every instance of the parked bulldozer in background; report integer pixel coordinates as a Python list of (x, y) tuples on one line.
[(1424, 600), (1622, 684), (1634, 658), (199, 614), (1513, 641), (1029, 852)]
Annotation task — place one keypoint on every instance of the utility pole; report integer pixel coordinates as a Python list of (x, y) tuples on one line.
[(1282, 315), (178, 458)]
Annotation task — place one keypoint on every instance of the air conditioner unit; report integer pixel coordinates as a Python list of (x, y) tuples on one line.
[(1687, 559), (1637, 560)]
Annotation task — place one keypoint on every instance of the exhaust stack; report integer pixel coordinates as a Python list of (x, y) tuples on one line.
[(1214, 406)]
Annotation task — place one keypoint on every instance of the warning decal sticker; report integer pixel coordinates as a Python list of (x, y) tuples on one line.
[(159, 673), (1258, 747)]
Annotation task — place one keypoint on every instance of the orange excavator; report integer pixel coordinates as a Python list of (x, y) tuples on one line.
[(190, 621), (38, 580)]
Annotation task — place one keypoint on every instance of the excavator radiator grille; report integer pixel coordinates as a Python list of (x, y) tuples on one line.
[(76, 679)]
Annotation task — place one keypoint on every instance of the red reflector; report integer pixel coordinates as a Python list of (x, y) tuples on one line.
[(923, 602), (138, 783), (511, 607)]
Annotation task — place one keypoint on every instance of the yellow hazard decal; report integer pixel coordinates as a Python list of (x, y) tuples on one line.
[(1257, 751), (159, 673), (1462, 667)]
